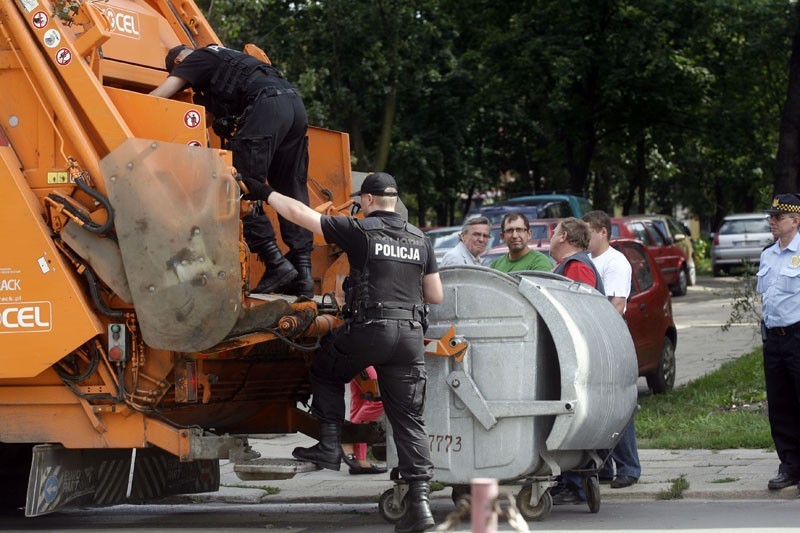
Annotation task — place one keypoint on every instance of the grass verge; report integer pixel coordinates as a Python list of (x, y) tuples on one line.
[(723, 409)]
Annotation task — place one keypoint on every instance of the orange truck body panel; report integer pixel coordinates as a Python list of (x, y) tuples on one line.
[(71, 95)]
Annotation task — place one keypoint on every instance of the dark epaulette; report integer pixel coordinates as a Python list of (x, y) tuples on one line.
[(415, 231), (371, 223), (764, 249)]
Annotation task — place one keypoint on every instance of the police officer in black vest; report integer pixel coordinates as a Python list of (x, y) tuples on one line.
[(265, 121), (393, 274)]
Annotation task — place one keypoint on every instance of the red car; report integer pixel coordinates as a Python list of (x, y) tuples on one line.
[(670, 259), (649, 317)]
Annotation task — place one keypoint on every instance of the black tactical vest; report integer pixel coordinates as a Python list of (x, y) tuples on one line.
[(234, 82), (389, 283), (586, 259)]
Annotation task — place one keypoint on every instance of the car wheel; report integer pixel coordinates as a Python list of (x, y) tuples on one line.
[(663, 378), (679, 289)]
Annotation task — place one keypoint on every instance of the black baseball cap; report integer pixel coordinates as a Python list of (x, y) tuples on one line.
[(378, 184), (169, 61), (785, 203)]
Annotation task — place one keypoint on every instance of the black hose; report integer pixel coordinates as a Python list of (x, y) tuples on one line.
[(102, 200), (93, 362), (99, 304)]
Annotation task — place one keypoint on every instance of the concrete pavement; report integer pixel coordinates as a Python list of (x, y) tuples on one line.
[(711, 475)]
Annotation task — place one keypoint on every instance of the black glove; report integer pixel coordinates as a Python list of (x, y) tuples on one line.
[(258, 190)]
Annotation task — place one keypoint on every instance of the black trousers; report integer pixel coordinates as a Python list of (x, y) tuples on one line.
[(782, 375), (270, 144), (395, 348)]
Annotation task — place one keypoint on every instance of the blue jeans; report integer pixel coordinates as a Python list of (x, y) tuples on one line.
[(625, 456)]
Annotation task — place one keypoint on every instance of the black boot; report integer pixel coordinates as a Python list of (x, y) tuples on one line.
[(327, 453), (279, 270), (418, 515), (303, 284)]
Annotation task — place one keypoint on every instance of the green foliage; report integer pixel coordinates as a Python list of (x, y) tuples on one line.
[(701, 248), (645, 105), (745, 301), (675, 492), (723, 409)]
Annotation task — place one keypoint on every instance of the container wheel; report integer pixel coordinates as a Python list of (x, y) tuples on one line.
[(537, 512), (459, 491), (390, 511), (591, 486)]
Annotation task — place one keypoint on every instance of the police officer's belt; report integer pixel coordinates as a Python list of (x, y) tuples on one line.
[(390, 314), (269, 92), (784, 330)]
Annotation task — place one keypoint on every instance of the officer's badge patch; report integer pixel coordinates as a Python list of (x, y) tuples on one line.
[(795, 261)]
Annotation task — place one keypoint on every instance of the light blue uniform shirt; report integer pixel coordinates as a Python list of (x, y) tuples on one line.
[(779, 284)]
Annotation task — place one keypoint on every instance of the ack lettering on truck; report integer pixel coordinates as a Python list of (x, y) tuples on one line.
[(25, 317)]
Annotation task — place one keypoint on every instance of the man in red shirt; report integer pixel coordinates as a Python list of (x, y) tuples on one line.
[(568, 246)]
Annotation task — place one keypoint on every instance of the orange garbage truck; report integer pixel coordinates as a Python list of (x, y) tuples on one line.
[(130, 346)]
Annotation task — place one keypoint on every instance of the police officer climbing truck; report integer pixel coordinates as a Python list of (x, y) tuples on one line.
[(393, 274), (266, 122)]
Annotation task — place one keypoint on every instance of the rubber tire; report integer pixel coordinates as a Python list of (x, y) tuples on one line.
[(459, 491), (663, 378), (379, 452), (679, 289), (540, 511), (591, 486), (388, 510)]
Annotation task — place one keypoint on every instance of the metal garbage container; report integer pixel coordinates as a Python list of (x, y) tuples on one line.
[(549, 377)]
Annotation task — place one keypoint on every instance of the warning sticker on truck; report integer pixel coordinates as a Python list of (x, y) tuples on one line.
[(29, 5), (26, 317), (57, 177)]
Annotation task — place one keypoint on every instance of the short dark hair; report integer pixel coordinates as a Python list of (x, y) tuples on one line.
[(173, 53), (514, 215), (598, 220)]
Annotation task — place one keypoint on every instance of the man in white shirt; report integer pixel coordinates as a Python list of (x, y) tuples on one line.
[(615, 270), (475, 235)]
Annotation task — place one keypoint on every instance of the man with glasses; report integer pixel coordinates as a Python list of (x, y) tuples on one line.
[(475, 235), (779, 286), (516, 232)]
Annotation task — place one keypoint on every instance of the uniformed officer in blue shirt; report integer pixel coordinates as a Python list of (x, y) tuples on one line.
[(779, 286)]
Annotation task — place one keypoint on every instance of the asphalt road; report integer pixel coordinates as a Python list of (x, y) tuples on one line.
[(699, 316), (650, 516)]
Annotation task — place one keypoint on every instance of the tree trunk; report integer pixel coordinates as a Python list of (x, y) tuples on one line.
[(385, 141), (788, 159)]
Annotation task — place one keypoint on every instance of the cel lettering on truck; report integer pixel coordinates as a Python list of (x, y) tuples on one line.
[(25, 317)]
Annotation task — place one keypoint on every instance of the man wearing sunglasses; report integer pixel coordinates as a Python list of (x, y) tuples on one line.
[(779, 286)]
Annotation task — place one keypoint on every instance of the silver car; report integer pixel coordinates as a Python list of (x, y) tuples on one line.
[(739, 241)]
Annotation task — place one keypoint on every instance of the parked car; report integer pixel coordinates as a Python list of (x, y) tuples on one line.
[(680, 236), (553, 205), (669, 258), (443, 239), (649, 317), (495, 213), (739, 240)]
